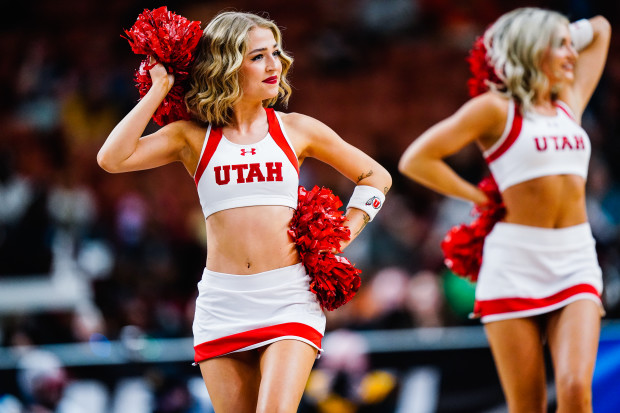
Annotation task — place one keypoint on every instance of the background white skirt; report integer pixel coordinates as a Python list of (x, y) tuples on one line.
[(243, 312), (528, 271)]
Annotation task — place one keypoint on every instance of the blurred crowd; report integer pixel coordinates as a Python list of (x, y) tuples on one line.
[(378, 72)]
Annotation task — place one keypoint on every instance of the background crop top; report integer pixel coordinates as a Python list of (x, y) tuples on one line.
[(230, 175), (537, 145)]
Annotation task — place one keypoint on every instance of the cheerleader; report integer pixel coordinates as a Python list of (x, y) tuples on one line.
[(257, 327), (539, 280)]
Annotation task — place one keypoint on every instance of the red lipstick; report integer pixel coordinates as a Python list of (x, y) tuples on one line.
[(271, 80)]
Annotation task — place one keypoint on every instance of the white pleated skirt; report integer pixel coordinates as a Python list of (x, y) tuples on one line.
[(242, 312), (528, 271)]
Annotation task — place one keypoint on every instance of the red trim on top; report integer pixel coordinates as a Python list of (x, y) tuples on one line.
[(213, 140), (225, 345), (561, 106), (278, 136), (508, 305), (515, 130)]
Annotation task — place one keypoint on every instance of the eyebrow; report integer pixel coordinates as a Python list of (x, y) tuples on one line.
[(262, 49)]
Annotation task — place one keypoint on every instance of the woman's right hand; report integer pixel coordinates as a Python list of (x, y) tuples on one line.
[(160, 76)]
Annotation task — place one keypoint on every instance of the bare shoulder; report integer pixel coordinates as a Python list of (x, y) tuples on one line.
[(190, 136), (186, 132), (309, 135), (300, 123), (305, 132), (489, 104), (185, 128), (487, 115)]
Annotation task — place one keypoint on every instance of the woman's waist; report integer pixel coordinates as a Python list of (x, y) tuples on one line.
[(550, 202), (545, 220), (250, 240), (245, 254)]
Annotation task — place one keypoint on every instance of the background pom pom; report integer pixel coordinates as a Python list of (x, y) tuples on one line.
[(171, 39), (318, 228), (462, 245), (482, 73)]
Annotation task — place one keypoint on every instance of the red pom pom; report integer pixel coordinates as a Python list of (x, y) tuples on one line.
[(171, 39), (317, 228), (462, 245), (482, 72)]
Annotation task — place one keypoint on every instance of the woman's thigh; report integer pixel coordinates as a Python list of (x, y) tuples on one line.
[(573, 335), (285, 367), (517, 347), (233, 381)]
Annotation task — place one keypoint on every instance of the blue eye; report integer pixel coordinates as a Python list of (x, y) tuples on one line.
[(257, 57), (277, 53)]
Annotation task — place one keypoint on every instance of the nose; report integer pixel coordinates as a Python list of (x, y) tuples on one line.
[(273, 62), (573, 51)]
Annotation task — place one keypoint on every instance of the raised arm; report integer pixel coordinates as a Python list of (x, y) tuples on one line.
[(126, 150), (481, 119), (316, 140), (590, 64)]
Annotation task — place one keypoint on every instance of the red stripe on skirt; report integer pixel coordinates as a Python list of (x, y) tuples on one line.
[(485, 308), (244, 339)]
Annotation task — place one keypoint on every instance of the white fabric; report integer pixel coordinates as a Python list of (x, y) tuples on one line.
[(581, 33), (531, 262), (228, 304), (367, 198), (546, 145), (225, 184)]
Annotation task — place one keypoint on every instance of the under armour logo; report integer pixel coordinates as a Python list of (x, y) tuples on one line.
[(244, 151), (374, 202)]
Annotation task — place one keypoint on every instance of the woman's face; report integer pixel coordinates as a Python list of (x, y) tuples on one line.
[(260, 71), (559, 60)]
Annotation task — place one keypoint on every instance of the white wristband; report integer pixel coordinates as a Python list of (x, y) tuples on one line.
[(367, 198), (581, 33)]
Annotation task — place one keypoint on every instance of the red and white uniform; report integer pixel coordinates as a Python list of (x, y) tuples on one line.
[(230, 175), (531, 270), (538, 145), (242, 312)]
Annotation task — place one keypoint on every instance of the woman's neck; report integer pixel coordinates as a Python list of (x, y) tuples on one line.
[(544, 104), (245, 115)]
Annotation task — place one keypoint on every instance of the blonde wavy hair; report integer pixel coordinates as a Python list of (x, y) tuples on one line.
[(214, 79), (516, 44)]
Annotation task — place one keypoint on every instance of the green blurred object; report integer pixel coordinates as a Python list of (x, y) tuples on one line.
[(459, 293)]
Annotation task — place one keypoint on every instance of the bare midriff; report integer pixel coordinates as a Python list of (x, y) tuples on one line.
[(556, 201), (249, 240)]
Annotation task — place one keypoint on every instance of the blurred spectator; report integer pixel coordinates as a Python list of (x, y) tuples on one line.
[(343, 382), (425, 299), (42, 380)]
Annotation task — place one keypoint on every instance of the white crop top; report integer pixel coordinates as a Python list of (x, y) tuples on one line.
[(230, 175), (538, 145)]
